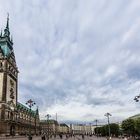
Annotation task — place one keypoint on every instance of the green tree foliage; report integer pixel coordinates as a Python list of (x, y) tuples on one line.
[(137, 126), (104, 130), (114, 129), (128, 127)]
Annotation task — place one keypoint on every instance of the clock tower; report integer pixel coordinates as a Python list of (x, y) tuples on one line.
[(8, 74), (15, 118)]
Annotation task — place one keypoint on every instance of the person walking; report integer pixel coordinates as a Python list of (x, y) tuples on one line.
[(43, 136)]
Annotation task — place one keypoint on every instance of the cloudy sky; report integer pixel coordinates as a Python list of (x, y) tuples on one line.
[(77, 58)]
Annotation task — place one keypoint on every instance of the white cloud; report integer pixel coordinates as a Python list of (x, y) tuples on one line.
[(77, 57)]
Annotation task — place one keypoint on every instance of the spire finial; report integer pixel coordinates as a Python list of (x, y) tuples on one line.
[(7, 25), (6, 31)]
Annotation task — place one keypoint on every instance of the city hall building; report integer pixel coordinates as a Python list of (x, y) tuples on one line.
[(15, 118)]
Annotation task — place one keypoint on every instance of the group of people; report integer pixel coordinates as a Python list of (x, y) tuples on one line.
[(46, 136)]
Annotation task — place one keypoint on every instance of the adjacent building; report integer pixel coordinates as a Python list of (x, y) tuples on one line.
[(49, 127), (135, 116), (86, 129), (64, 128)]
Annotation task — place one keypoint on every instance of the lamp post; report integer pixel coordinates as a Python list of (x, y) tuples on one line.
[(108, 115), (30, 104), (35, 122), (137, 98), (90, 131), (48, 117), (96, 121), (36, 114)]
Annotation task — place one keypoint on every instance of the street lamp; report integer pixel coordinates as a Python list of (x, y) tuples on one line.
[(36, 113), (108, 115), (96, 121), (137, 98), (48, 117), (90, 131), (30, 104)]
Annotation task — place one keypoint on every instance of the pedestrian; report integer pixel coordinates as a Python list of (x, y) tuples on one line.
[(43, 136), (82, 136), (60, 135)]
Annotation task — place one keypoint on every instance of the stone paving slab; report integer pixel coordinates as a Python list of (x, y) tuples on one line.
[(58, 138), (19, 138)]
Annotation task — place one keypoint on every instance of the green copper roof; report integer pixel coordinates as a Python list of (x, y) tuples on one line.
[(6, 42), (22, 107), (5, 49)]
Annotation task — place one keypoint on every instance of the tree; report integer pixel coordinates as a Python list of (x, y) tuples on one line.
[(98, 130), (137, 126), (103, 131), (114, 129), (128, 127)]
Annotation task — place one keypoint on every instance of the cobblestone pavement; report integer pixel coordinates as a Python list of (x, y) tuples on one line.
[(58, 138)]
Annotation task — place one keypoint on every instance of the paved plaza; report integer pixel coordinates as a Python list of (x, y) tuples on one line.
[(58, 138)]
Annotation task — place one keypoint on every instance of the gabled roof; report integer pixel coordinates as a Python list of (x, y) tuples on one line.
[(63, 124)]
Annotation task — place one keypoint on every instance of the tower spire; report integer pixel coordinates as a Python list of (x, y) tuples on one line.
[(7, 24), (6, 31)]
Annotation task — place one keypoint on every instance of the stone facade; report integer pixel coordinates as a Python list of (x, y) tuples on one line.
[(14, 117), (49, 127), (83, 129), (64, 129)]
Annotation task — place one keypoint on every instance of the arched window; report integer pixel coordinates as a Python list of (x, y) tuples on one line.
[(8, 115), (11, 116), (1, 65)]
